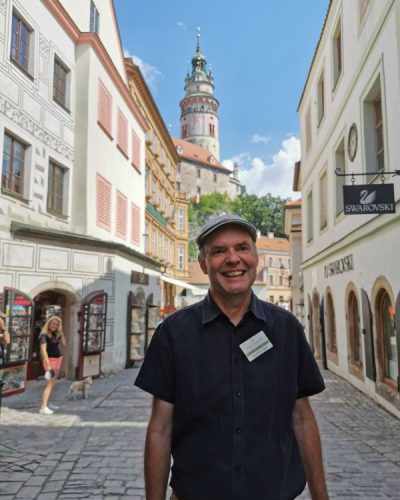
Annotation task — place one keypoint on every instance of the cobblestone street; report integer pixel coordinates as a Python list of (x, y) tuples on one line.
[(93, 448)]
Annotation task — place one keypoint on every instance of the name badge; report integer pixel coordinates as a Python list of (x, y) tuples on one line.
[(256, 345)]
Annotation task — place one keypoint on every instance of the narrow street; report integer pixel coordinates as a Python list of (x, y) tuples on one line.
[(93, 448)]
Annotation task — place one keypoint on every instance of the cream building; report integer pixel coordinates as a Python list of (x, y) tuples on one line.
[(350, 116), (72, 206)]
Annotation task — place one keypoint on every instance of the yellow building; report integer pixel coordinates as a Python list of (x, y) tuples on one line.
[(166, 216)]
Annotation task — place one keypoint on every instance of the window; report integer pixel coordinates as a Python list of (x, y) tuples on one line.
[(178, 186), (104, 108), (280, 262), (181, 219), (308, 129), (20, 42), (354, 330), (374, 129), (60, 83), (280, 280), (271, 262), (272, 299), (310, 219), (94, 18), (122, 133), (178, 168), (198, 173), (331, 327), (136, 151), (340, 162), (271, 279), (337, 52), (135, 224), (212, 130), (184, 132), (198, 190), (321, 98), (103, 202), (387, 337), (12, 175), (323, 202), (215, 177), (121, 215), (181, 258), (55, 190)]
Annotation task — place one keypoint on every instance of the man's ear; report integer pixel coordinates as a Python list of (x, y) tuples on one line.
[(202, 263)]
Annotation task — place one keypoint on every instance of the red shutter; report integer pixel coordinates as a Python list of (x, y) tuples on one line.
[(103, 203), (136, 151), (104, 108), (122, 136), (135, 221), (122, 215)]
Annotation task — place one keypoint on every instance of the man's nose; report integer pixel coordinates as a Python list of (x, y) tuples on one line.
[(232, 256)]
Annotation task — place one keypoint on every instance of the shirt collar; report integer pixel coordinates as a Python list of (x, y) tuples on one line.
[(211, 310)]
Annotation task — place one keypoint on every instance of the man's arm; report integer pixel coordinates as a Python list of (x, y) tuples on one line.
[(157, 454), (309, 443)]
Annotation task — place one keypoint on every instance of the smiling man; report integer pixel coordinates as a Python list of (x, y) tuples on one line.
[(230, 378)]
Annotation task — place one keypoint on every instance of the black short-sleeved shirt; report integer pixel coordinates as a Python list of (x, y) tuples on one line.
[(232, 432), (53, 345)]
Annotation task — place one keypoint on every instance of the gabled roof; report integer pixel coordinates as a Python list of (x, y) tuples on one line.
[(293, 204), (274, 244), (197, 154)]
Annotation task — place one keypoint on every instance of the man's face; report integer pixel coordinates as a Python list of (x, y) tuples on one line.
[(230, 259)]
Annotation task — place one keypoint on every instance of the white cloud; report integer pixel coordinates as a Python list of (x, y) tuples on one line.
[(181, 25), (260, 138), (150, 73), (276, 177)]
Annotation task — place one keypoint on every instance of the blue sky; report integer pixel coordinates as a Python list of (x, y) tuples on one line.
[(260, 52)]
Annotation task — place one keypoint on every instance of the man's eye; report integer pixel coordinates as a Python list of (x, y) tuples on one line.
[(216, 251), (243, 248)]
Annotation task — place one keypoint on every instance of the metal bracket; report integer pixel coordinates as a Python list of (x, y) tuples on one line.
[(382, 173)]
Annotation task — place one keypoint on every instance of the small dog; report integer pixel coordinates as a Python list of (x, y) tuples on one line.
[(82, 386)]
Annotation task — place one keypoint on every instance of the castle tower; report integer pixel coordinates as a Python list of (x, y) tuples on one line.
[(199, 107)]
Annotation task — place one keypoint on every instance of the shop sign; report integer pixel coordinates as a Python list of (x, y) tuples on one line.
[(339, 266), (369, 199), (139, 278)]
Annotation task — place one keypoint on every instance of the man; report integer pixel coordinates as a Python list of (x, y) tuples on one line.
[(230, 378)]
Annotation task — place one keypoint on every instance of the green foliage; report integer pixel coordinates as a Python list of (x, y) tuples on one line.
[(265, 212)]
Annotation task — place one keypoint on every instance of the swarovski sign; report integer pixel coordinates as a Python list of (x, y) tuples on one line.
[(339, 266), (369, 199)]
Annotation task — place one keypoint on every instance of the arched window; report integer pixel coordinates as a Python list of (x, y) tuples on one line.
[(331, 327), (387, 337), (354, 334)]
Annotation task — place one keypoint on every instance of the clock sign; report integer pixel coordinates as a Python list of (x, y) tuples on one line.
[(352, 142)]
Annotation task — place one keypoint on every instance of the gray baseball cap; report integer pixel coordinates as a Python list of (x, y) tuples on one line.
[(224, 220)]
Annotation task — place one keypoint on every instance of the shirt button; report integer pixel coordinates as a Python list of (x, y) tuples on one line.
[(238, 394), (238, 430)]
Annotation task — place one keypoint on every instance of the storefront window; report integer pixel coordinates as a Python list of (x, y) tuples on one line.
[(354, 330), (331, 324), (388, 337)]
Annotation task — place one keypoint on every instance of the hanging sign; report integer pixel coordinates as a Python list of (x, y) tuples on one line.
[(369, 199)]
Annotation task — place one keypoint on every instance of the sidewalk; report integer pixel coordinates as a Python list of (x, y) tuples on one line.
[(94, 448)]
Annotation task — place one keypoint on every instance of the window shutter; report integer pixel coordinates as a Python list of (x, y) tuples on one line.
[(122, 137), (135, 221), (136, 151), (104, 110), (122, 215), (103, 203)]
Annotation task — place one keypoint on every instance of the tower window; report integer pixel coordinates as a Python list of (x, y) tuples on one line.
[(212, 130)]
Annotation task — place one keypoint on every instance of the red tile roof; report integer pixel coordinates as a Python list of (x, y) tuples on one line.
[(274, 244), (198, 154)]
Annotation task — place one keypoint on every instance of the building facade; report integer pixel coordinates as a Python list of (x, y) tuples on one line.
[(349, 116), (72, 206), (200, 170), (166, 225)]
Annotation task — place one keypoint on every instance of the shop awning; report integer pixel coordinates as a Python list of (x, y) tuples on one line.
[(182, 284)]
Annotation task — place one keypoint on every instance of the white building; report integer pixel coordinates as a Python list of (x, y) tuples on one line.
[(350, 118), (72, 188)]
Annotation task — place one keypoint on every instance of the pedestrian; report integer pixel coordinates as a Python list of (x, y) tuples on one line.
[(4, 335), (230, 378), (50, 339)]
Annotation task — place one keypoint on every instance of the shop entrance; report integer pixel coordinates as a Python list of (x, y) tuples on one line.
[(46, 304)]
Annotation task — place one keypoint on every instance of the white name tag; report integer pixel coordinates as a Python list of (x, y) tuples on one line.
[(256, 345)]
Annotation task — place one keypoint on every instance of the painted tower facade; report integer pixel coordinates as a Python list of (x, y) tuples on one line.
[(199, 107)]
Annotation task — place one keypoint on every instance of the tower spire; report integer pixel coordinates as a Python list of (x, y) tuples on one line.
[(198, 40)]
